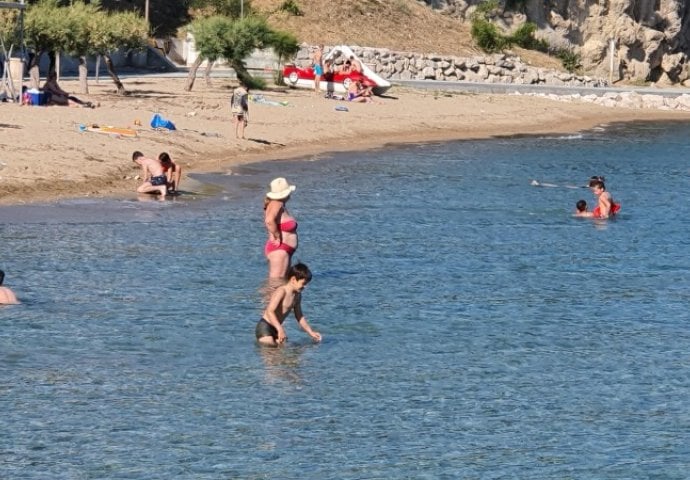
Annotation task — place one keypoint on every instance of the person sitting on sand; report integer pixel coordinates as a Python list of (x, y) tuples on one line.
[(606, 207), (155, 180), (581, 209), (7, 296), (354, 93), (285, 299), (172, 170), (57, 96)]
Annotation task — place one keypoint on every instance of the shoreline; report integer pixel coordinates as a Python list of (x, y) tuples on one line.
[(68, 164)]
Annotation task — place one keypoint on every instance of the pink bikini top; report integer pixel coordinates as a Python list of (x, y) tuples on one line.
[(288, 226)]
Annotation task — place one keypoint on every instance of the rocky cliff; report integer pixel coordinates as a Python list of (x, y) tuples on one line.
[(650, 39)]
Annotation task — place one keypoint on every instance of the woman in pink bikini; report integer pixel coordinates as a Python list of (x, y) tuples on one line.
[(281, 227)]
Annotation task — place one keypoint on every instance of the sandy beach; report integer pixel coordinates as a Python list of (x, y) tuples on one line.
[(44, 156)]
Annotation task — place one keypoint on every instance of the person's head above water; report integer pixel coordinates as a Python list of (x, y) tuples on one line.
[(2, 277), (581, 206), (597, 184), (300, 272), (596, 178), (280, 189)]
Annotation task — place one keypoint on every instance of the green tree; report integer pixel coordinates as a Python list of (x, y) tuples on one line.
[(110, 32), (9, 22), (285, 46), (209, 37), (79, 41), (44, 31)]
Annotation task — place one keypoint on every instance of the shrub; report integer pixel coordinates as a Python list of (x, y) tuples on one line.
[(487, 36), (570, 60), (524, 37), (291, 7)]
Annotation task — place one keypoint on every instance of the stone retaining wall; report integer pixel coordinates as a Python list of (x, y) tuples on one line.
[(494, 68)]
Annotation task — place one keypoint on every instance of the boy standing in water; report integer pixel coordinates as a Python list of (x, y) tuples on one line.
[(288, 297), (7, 296)]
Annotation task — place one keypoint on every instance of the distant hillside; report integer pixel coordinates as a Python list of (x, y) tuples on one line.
[(403, 25)]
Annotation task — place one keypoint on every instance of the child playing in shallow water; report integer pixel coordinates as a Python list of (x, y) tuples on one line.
[(286, 298), (7, 296), (581, 209)]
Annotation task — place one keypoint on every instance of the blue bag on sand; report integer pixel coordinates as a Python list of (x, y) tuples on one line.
[(159, 122)]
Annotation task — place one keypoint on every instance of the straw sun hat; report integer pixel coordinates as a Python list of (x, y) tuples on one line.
[(280, 189)]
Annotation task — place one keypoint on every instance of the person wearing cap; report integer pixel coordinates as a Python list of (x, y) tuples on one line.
[(281, 227)]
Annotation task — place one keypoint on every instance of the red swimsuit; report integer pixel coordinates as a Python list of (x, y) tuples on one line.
[(287, 226), (615, 207)]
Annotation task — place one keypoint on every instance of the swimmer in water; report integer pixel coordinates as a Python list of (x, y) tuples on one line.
[(606, 207), (581, 209), (285, 299), (7, 296)]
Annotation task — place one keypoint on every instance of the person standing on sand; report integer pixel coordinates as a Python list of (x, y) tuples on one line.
[(317, 66), (155, 180), (239, 106), (7, 296)]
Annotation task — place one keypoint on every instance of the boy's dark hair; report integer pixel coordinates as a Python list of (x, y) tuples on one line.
[(597, 183), (164, 158), (136, 155), (300, 271), (581, 206), (2, 277)]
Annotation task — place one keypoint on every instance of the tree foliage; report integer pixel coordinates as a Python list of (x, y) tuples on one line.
[(234, 40), (9, 27)]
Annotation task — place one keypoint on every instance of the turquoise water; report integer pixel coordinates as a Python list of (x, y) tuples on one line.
[(472, 328)]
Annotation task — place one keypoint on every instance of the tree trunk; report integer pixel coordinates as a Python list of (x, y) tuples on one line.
[(207, 74), (192, 74), (83, 76), (34, 73), (243, 76), (111, 71), (53, 63)]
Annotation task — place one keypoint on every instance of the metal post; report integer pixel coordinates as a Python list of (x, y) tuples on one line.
[(241, 8), (146, 12)]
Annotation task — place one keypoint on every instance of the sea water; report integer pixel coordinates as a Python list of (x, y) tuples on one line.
[(472, 327)]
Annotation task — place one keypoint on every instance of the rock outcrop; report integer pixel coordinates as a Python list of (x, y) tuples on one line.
[(650, 39)]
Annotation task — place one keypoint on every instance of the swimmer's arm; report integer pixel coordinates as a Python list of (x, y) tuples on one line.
[(302, 321)]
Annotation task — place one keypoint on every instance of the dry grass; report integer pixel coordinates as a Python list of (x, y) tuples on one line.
[(402, 25)]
